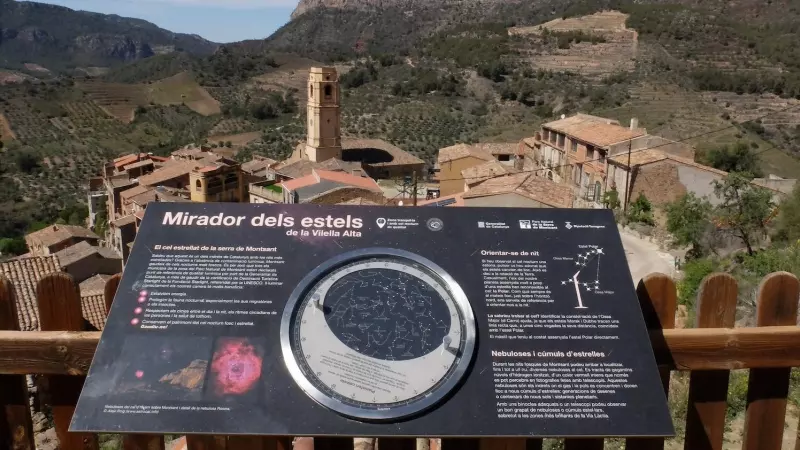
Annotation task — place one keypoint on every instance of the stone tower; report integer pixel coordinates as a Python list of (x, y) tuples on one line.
[(324, 139)]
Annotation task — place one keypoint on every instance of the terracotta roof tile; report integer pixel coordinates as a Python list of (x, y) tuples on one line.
[(83, 250), (169, 172), (144, 198), (136, 190), (594, 130), (457, 200), (536, 188), (399, 157), (486, 151), (346, 178), (93, 301), (358, 201), (297, 169), (24, 274), (122, 221), (55, 234), (489, 169)]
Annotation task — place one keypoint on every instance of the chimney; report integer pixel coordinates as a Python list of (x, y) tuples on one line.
[(634, 123)]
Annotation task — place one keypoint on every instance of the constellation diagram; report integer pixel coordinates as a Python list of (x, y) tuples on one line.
[(386, 314), (588, 268)]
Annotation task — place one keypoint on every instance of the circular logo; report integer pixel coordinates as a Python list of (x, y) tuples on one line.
[(435, 224)]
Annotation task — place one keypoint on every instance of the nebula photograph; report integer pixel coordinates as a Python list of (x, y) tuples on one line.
[(155, 368), (235, 368)]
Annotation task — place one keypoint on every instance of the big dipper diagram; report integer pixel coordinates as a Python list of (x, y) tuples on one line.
[(378, 333), (312, 320)]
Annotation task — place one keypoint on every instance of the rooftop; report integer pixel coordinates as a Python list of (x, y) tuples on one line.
[(171, 171), (24, 274), (359, 201), (528, 185), (297, 169), (122, 221), (55, 234), (256, 166), (142, 163), (318, 176), (83, 250), (486, 151), (594, 130), (399, 157), (93, 301), (134, 191), (489, 169)]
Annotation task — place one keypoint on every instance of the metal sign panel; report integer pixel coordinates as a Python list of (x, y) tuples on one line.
[(375, 321)]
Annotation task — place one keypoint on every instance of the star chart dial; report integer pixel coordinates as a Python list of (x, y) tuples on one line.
[(378, 334)]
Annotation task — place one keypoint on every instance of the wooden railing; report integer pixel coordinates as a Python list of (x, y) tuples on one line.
[(61, 353)]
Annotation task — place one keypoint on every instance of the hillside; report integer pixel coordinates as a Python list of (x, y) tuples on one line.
[(58, 38)]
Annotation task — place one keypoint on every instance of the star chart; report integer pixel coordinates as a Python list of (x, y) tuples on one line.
[(587, 277), (378, 334)]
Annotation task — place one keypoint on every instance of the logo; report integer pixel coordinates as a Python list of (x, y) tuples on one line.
[(568, 226), (525, 224), (481, 224), (435, 224), (381, 222)]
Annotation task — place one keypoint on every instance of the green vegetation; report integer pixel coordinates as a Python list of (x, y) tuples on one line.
[(787, 226), (641, 211), (565, 39), (470, 45), (744, 210), (736, 158), (688, 220)]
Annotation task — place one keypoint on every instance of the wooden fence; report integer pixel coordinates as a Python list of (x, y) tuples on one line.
[(61, 353)]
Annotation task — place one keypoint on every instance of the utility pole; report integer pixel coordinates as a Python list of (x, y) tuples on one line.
[(628, 177), (414, 188)]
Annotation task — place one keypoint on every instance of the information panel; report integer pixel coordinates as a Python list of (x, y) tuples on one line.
[(311, 320)]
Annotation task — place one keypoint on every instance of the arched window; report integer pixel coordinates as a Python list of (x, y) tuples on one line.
[(311, 91), (550, 175), (328, 91), (198, 185)]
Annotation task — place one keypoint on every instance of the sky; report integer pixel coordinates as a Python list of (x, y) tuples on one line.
[(216, 20)]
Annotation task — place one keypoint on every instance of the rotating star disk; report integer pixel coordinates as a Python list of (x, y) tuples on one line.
[(378, 334)]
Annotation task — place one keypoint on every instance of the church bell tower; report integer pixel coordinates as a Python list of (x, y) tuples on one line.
[(324, 139)]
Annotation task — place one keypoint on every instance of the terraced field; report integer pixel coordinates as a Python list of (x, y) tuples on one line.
[(677, 114), (752, 106), (26, 123), (183, 89), (617, 54), (119, 100), (231, 126)]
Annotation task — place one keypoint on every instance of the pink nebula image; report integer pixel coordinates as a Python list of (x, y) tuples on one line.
[(142, 293), (142, 299), (135, 322), (137, 311), (139, 373), (236, 366)]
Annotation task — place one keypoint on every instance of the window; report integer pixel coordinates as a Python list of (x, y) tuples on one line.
[(328, 91), (553, 137), (311, 91), (597, 191), (601, 157), (504, 157), (198, 186), (574, 146), (589, 152), (561, 139)]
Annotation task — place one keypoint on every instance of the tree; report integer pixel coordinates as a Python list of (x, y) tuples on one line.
[(739, 158), (688, 219), (641, 210), (13, 246), (611, 199), (787, 228), (26, 162), (744, 209)]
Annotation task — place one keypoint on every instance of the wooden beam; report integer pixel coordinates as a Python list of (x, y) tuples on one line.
[(70, 353)]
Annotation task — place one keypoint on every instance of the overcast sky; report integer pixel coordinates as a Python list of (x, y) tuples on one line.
[(215, 20)]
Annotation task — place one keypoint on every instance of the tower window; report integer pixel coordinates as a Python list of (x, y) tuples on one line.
[(311, 91), (328, 91), (198, 185)]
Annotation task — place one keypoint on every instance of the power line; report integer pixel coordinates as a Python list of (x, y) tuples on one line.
[(639, 150)]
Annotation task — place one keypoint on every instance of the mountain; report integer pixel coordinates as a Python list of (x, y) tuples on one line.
[(61, 38)]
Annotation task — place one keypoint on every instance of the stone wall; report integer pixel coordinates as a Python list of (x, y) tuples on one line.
[(660, 182)]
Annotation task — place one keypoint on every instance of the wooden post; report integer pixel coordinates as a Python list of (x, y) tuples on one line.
[(508, 443), (206, 442), (60, 310), (16, 427), (110, 291), (658, 299), (130, 441), (708, 389), (768, 388), (259, 443)]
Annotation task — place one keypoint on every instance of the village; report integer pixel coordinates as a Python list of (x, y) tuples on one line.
[(572, 162)]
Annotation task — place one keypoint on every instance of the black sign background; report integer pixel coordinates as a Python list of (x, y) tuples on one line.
[(280, 407)]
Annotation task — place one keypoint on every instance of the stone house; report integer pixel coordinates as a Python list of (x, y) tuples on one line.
[(454, 160), (54, 238), (84, 260)]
